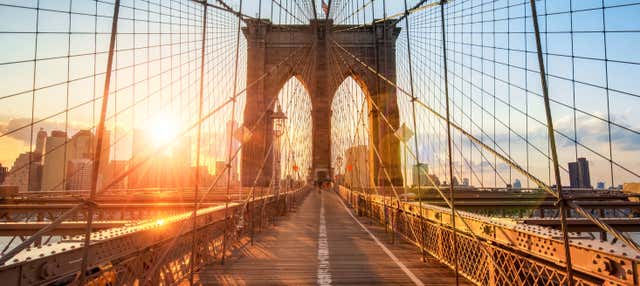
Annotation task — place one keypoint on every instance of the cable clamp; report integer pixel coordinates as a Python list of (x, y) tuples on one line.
[(87, 203), (561, 202)]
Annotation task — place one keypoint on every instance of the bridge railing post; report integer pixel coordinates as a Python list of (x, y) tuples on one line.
[(491, 265)]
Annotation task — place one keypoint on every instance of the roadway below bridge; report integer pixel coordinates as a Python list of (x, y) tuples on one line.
[(325, 243)]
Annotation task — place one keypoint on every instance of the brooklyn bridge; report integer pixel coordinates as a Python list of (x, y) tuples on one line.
[(328, 142)]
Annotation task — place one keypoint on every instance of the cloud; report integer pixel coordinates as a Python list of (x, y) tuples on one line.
[(20, 128), (594, 131)]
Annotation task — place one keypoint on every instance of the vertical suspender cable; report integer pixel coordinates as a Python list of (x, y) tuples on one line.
[(374, 111), (99, 139), (446, 93), (385, 89), (253, 193), (192, 259), (415, 128), (233, 112), (562, 205), (33, 97)]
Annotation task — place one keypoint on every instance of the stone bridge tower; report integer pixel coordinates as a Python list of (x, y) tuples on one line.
[(314, 54)]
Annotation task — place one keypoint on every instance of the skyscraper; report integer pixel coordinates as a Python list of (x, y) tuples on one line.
[(181, 153), (79, 171), (81, 145), (114, 169), (579, 176), (221, 171), (139, 178), (517, 184), (54, 168), (163, 169), (24, 174), (419, 173), (41, 138), (3, 173), (231, 127)]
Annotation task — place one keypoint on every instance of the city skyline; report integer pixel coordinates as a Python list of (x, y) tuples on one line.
[(593, 111), (45, 168)]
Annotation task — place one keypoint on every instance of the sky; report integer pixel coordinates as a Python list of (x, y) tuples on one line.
[(590, 58)]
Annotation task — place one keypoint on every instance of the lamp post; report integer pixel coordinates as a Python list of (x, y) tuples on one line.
[(278, 118)]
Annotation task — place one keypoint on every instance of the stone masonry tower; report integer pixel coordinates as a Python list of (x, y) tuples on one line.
[(321, 55)]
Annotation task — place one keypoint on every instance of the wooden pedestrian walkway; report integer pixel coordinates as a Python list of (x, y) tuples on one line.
[(323, 243)]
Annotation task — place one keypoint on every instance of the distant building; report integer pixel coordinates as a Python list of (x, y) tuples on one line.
[(170, 168), (419, 173), (181, 153), (82, 145), (221, 171), (140, 177), (41, 139), (115, 168), (24, 174), (206, 179), (435, 181), (79, 172), (579, 176), (600, 186), (3, 173), (465, 182), (517, 184), (148, 171), (54, 167), (357, 166), (232, 126)]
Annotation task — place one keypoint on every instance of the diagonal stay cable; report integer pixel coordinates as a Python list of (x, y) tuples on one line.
[(396, 17), (145, 157), (506, 160), (378, 156), (440, 192), (233, 157)]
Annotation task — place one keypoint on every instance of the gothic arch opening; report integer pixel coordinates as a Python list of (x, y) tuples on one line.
[(350, 138), (296, 140)]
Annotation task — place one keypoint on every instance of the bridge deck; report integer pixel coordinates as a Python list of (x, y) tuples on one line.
[(297, 252)]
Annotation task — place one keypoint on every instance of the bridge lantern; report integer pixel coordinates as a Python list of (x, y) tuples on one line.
[(278, 118)]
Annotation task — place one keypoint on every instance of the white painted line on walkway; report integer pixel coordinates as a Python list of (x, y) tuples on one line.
[(385, 249), (324, 276)]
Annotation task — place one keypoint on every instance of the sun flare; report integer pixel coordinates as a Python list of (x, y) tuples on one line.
[(163, 129)]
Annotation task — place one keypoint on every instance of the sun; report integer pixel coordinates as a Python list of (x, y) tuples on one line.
[(163, 129)]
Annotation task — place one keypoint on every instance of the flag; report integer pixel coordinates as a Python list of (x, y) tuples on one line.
[(404, 133), (325, 8)]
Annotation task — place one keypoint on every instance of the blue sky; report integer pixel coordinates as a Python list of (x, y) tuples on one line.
[(574, 42)]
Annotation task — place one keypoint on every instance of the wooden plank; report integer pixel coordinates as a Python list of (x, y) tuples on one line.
[(287, 254)]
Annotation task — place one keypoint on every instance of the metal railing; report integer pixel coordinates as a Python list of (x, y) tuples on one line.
[(524, 254), (153, 252)]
